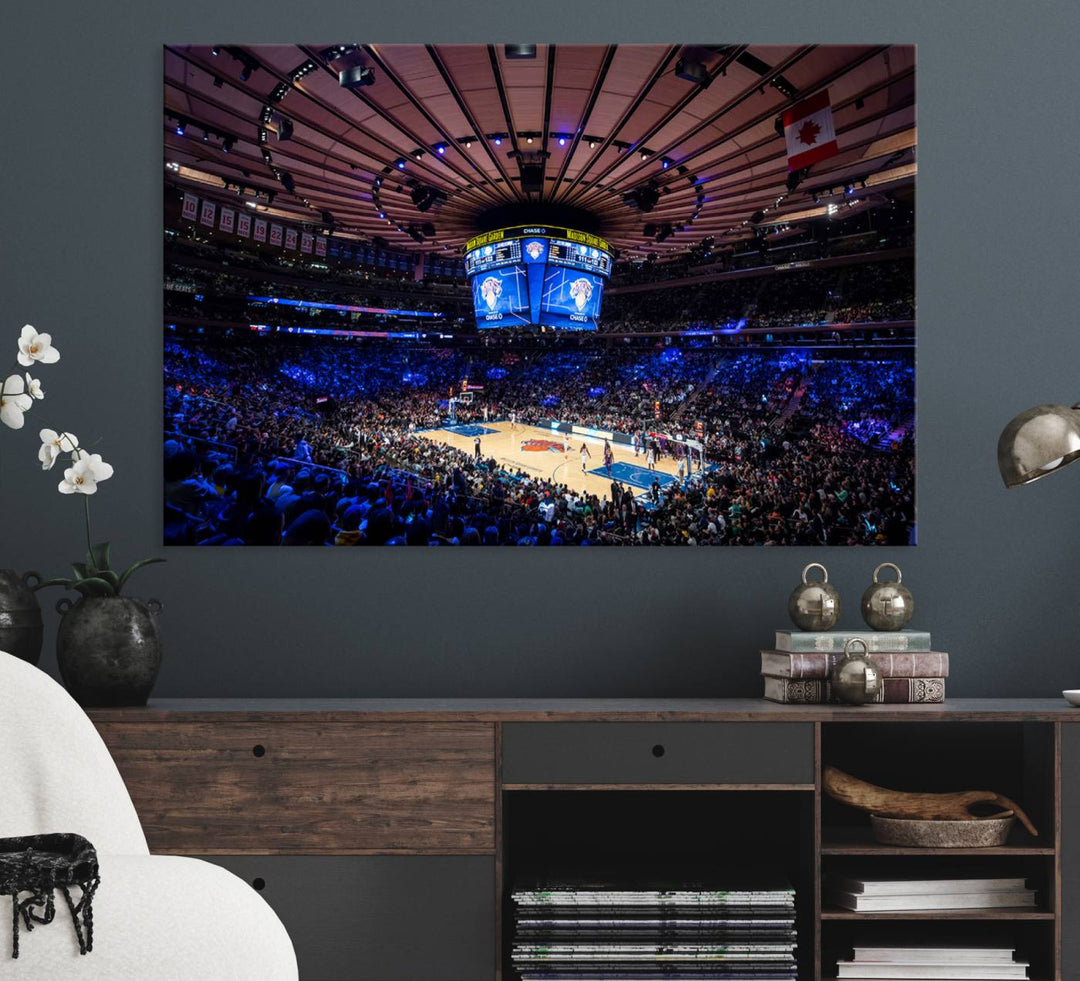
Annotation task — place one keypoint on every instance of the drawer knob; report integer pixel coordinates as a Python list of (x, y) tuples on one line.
[(258, 750), (258, 884), (658, 750)]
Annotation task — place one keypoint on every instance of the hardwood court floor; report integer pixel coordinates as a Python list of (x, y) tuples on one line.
[(540, 452)]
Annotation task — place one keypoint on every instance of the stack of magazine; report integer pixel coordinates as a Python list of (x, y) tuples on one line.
[(900, 893), (937, 963), (580, 931)]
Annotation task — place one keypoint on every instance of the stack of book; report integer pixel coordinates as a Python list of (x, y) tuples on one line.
[(938, 963), (797, 670), (897, 894), (580, 931)]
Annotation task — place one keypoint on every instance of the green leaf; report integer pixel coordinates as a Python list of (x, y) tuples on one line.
[(79, 568), (94, 587), (97, 559), (66, 583), (110, 577), (133, 569)]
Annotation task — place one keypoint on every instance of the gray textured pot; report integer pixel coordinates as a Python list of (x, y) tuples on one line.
[(21, 629), (108, 649)]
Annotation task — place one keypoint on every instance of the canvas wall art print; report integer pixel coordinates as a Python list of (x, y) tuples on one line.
[(539, 295)]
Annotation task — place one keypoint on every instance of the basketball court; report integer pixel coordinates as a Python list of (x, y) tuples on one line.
[(541, 452)]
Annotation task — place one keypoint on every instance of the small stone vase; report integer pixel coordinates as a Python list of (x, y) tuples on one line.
[(21, 629), (108, 649)]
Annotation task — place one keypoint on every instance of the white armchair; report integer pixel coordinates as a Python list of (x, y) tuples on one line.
[(156, 918)]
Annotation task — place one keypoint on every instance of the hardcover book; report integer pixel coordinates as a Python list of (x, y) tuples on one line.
[(816, 664), (895, 691), (833, 641)]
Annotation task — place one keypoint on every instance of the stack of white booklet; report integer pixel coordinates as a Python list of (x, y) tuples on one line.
[(936, 963), (882, 895)]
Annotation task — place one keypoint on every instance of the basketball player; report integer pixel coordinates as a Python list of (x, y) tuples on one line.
[(513, 420), (609, 458), (637, 443), (585, 455), (682, 467), (650, 458)]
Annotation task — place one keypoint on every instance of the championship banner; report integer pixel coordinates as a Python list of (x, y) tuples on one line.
[(306, 242), (228, 220), (320, 246), (808, 130), (290, 238), (206, 216), (243, 225), (190, 210), (275, 235), (260, 229)]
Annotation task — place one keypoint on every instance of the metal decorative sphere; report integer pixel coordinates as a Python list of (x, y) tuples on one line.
[(887, 605), (814, 605), (856, 680)]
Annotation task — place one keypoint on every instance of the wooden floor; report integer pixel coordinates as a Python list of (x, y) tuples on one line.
[(547, 459)]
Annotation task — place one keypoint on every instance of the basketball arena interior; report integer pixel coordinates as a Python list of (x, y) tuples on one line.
[(527, 294)]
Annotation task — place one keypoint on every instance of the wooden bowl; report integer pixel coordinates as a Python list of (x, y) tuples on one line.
[(912, 832)]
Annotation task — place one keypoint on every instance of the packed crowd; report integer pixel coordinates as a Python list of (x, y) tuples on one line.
[(283, 440)]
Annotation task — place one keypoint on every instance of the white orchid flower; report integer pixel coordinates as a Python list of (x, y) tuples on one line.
[(83, 476), (14, 401), (53, 444), (33, 387), (36, 347)]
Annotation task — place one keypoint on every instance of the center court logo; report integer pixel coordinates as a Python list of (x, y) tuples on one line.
[(540, 445)]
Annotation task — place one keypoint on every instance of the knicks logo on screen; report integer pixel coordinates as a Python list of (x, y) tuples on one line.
[(534, 250), (491, 289), (581, 291)]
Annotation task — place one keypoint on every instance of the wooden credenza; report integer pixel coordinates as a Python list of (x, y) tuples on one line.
[(387, 833)]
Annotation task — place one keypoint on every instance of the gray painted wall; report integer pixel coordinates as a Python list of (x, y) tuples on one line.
[(994, 577)]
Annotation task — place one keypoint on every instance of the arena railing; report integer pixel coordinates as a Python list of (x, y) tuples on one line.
[(223, 447)]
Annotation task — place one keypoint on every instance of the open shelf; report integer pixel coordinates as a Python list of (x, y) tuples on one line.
[(1003, 913), (860, 841)]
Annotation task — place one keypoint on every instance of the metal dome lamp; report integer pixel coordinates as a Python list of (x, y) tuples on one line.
[(1037, 442)]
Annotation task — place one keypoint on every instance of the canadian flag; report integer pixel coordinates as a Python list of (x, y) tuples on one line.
[(808, 129)]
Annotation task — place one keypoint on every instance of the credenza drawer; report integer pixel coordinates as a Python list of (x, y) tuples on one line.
[(693, 753), (381, 918), (231, 788)]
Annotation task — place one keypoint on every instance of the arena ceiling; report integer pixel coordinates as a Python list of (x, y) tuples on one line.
[(472, 133)]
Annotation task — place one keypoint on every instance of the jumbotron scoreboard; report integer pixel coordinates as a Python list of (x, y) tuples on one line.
[(537, 275)]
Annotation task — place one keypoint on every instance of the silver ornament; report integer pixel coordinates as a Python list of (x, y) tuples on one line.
[(855, 679), (814, 605), (887, 605)]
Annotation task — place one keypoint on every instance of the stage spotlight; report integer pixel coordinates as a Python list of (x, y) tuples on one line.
[(665, 163), (692, 71), (440, 148), (644, 154), (181, 126), (562, 141), (528, 139), (592, 144), (382, 214), (356, 77), (519, 51), (468, 144), (245, 72), (378, 182), (400, 163), (284, 129), (228, 144), (215, 50)]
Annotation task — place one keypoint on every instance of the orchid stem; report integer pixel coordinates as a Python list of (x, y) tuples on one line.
[(89, 547)]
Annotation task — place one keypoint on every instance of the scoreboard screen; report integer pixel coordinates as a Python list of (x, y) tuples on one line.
[(537, 276)]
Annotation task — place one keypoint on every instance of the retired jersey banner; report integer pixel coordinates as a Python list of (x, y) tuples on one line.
[(243, 224), (290, 238), (275, 235), (808, 129), (306, 242), (260, 229), (228, 220), (206, 216), (320, 246), (190, 210)]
